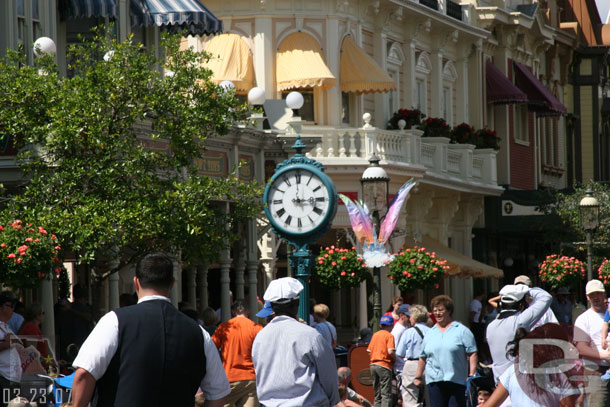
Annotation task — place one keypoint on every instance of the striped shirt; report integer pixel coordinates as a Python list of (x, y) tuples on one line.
[(294, 365)]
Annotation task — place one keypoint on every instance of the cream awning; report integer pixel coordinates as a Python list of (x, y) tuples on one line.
[(230, 60), (360, 73), (299, 64), (459, 264)]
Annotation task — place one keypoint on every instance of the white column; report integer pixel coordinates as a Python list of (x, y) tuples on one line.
[(475, 76), (123, 24), (381, 98), (333, 59), (225, 279), (436, 83), (48, 325), (264, 61), (409, 75), (462, 90), (191, 286), (203, 287), (113, 291)]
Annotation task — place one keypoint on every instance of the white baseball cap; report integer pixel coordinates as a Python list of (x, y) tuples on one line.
[(513, 292), (595, 286), (283, 290)]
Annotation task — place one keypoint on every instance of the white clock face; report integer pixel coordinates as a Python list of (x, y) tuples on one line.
[(298, 201)]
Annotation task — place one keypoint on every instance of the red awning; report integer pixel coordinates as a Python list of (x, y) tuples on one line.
[(500, 89), (540, 99)]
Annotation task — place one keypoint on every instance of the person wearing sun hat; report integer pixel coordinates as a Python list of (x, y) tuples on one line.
[(382, 354), (588, 340), (286, 350), (514, 314)]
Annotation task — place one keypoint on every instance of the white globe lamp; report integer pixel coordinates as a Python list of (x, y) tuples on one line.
[(44, 45), (256, 96)]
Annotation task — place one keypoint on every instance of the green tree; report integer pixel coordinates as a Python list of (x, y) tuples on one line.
[(110, 153), (566, 206)]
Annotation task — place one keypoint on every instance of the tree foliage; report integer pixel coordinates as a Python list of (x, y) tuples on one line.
[(566, 206), (111, 152)]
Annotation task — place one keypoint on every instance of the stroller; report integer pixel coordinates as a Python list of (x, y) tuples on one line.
[(59, 391), (484, 380)]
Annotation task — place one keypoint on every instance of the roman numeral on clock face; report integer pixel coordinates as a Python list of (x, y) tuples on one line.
[(288, 220), (320, 199), (299, 224), (277, 201), (317, 210), (280, 212), (297, 177)]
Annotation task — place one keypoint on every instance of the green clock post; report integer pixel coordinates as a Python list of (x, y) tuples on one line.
[(300, 202)]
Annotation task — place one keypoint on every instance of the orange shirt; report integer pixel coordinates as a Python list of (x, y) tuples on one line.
[(378, 348), (234, 339)]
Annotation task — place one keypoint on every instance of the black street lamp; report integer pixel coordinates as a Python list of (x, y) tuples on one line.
[(375, 185), (589, 221)]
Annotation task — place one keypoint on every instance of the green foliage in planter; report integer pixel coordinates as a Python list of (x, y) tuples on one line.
[(416, 268), (337, 268)]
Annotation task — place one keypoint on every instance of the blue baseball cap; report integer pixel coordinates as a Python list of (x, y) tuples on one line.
[(266, 311), (386, 320), (403, 309)]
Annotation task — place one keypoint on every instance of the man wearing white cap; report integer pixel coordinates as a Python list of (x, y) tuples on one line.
[(514, 314), (549, 315), (294, 365), (587, 336)]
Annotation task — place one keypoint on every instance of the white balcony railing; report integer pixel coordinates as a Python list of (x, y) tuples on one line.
[(403, 147)]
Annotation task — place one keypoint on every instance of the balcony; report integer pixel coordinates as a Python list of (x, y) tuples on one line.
[(454, 10), (433, 4), (434, 156)]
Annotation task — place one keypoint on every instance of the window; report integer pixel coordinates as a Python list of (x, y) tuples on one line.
[(36, 25), (307, 111), (522, 124), (21, 22), (345, 106), (447, 111), (420, 92)]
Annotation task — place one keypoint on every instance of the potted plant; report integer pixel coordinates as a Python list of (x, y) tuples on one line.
[(604, 272), (27, 254), (415, 268), (463, 134), (337, 268), (412, 117), (487, 138), (435, 127), (561, 271)]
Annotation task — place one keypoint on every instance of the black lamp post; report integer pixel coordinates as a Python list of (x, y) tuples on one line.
[(589, 221), (375, 185)]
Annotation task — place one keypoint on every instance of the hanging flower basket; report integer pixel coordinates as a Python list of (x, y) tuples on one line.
[(435, 127), (416, 268), (463, 134), (604, 272), (337, 268), (27, 254), (487, 138), (412, 117), (561, 271)]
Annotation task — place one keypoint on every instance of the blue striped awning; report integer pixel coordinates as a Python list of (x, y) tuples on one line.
[(175, 15), (87, 8)]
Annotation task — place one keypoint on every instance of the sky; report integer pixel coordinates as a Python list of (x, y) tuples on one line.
[(603, 6)]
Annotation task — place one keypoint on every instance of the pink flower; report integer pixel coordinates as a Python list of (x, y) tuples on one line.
[(41, 230), (334, 263), (29, 239), (18, 260), (3, 245), (326, 255), (53, 237), (436, 286), (343, 257), (57, 247), (353, 274), (412, 261), (12, 256), (37, 240), (331, 251), (343, 273), (1, 228), (320, 262)]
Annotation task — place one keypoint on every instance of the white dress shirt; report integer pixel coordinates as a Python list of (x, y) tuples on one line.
[(294, 366), (101, 345)]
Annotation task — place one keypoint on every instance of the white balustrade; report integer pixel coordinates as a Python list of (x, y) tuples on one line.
[(403, 147)]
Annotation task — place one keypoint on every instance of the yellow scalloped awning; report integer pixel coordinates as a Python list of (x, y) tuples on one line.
[(459, 264), (299, 64), (360, 73), (230, 60)]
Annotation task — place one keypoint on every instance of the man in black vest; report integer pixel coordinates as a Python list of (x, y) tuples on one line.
[(149, 354)]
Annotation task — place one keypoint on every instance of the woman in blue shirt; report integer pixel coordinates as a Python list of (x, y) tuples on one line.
[(449, 356)]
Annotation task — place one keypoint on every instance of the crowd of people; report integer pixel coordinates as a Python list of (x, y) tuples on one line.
[(147, 352)]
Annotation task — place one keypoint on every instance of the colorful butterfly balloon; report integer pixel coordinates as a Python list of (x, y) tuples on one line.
[(374, 252)]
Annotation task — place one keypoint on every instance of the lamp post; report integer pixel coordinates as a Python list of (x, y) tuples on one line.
[(375, 184), (589, 221)]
